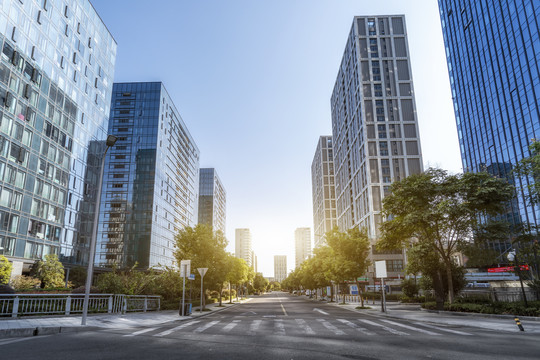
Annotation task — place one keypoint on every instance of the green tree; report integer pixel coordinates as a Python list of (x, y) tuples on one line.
[(441, 211), (260, 283), (5, 270), (51, 271), (529, 167), (206, 249), (237, 272)]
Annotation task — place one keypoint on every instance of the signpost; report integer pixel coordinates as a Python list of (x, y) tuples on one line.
[(380, 272), (354, 289), (202, 271), (185, 268)]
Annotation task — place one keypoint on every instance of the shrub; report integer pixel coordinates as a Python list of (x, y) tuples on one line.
[(410, 288), (50, 271), (21, 283), (5, 270)]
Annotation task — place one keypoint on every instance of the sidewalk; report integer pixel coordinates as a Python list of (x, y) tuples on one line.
[(414, 312), (43, 325)]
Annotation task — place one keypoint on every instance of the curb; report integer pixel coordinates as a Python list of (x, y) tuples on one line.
[(44, 330), (495, 316)]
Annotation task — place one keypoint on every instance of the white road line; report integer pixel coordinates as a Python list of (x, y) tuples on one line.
[(279, 327), (11, 341), (254, 326), (411, 328), (322, 312), (200, 329), (302, 323), (167, 332), (284, 312), (356, 327), (331, 327), (443, 329), (231, 325), (141, 332), (393, 331)]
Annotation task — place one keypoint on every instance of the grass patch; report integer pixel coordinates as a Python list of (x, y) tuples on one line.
[(363, 307)]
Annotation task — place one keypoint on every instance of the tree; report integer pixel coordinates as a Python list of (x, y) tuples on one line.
[(441, 211), (5, 270), (206, 249), (529, 167), (237, 272), (260, 283), (51, 271)]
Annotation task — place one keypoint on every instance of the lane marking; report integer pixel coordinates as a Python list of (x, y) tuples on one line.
[(200, 329), (254, 326), (393, 331), (302, 323), (356, 327), (331, 327), (411, 327), (167, 332), (444, 329), (231, 326), (284, 312), (322, 312), (141, 332), (11, 341), (279, 327)]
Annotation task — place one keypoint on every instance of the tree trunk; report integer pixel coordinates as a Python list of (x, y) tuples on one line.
[(220, 292), (343, 287), (361, 294), (439, 290), (450, 283)]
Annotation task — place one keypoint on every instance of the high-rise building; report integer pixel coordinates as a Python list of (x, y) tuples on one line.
[(56, 72), (212, 200), (302, 242), (254, 261), (280, 267), (151, 177), (374, 125), (493, 52), (323, 189), (243, 248)]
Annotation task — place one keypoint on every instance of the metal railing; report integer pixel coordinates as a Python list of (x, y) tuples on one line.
[(14, 305)]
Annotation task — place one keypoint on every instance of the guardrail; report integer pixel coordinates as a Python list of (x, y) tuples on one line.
[(15, 305)]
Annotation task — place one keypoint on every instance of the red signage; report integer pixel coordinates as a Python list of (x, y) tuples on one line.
[(507, 269)]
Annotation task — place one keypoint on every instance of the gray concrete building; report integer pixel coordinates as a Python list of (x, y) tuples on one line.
[(302, 245), (280, 267), (243, 247)]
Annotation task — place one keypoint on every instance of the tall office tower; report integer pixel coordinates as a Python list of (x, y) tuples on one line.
[(151, 178), (323, 189), (56, 71), (254, 261), (493, 53), (212, 200), (280, 267), (243, 248), (302, 242), (374, 125)]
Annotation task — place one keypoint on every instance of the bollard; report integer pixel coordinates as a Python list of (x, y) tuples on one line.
[(518, 323)]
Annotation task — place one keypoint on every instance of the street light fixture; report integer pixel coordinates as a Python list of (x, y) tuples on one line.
[(111, 140), (511, 257)]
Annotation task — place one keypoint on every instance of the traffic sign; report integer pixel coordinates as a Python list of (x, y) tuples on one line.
[(380, 269), (202, 271), (185, 268), (361, 279), (191, 277)]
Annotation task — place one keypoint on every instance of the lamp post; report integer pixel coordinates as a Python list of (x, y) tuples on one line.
[(111, 140), (511, 257)]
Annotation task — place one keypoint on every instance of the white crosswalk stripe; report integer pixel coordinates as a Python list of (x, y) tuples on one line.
[(254, 326), (331, 327), (279, 328), (302, 323), (11, 341), (393, 331), (444, 329), (200, 329), (170, 331), (141, 332), (411, 327), (231, 325), (356, 327)]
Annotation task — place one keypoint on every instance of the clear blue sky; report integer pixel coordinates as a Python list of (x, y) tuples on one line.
[(252, 81)]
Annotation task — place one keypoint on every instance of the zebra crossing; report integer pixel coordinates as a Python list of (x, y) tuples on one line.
[(310, 327)]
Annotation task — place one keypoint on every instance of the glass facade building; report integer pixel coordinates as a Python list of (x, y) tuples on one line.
[(242, 246), (212, 200), (374, 125), (493, 56), (323, 189), (151, 179), (302, 245), (56, 71)]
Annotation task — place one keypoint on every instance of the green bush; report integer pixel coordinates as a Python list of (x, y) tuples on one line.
[(5, 270), (501, 308), (410, 288), (22, 283), (416, 299)]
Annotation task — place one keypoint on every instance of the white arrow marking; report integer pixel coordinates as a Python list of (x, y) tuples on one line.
[(322, 312)]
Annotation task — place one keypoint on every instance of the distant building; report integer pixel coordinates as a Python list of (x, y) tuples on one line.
[(254, 261), (212, 200), (302, 240), (374, 126), (493, 52), (280, 267), (243, 248), (151, 179), (323, 189)]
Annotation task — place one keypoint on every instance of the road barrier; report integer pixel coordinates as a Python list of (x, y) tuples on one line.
[(15, 305)]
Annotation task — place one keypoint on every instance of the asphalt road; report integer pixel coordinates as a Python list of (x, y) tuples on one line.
[(280, 326)]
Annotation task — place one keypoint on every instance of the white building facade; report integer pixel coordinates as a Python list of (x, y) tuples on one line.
[(302, 245)]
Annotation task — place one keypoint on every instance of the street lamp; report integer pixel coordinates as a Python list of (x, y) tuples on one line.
[(511, 257), (111, 140)]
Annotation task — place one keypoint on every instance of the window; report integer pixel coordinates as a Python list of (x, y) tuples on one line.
[(394, 265)]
